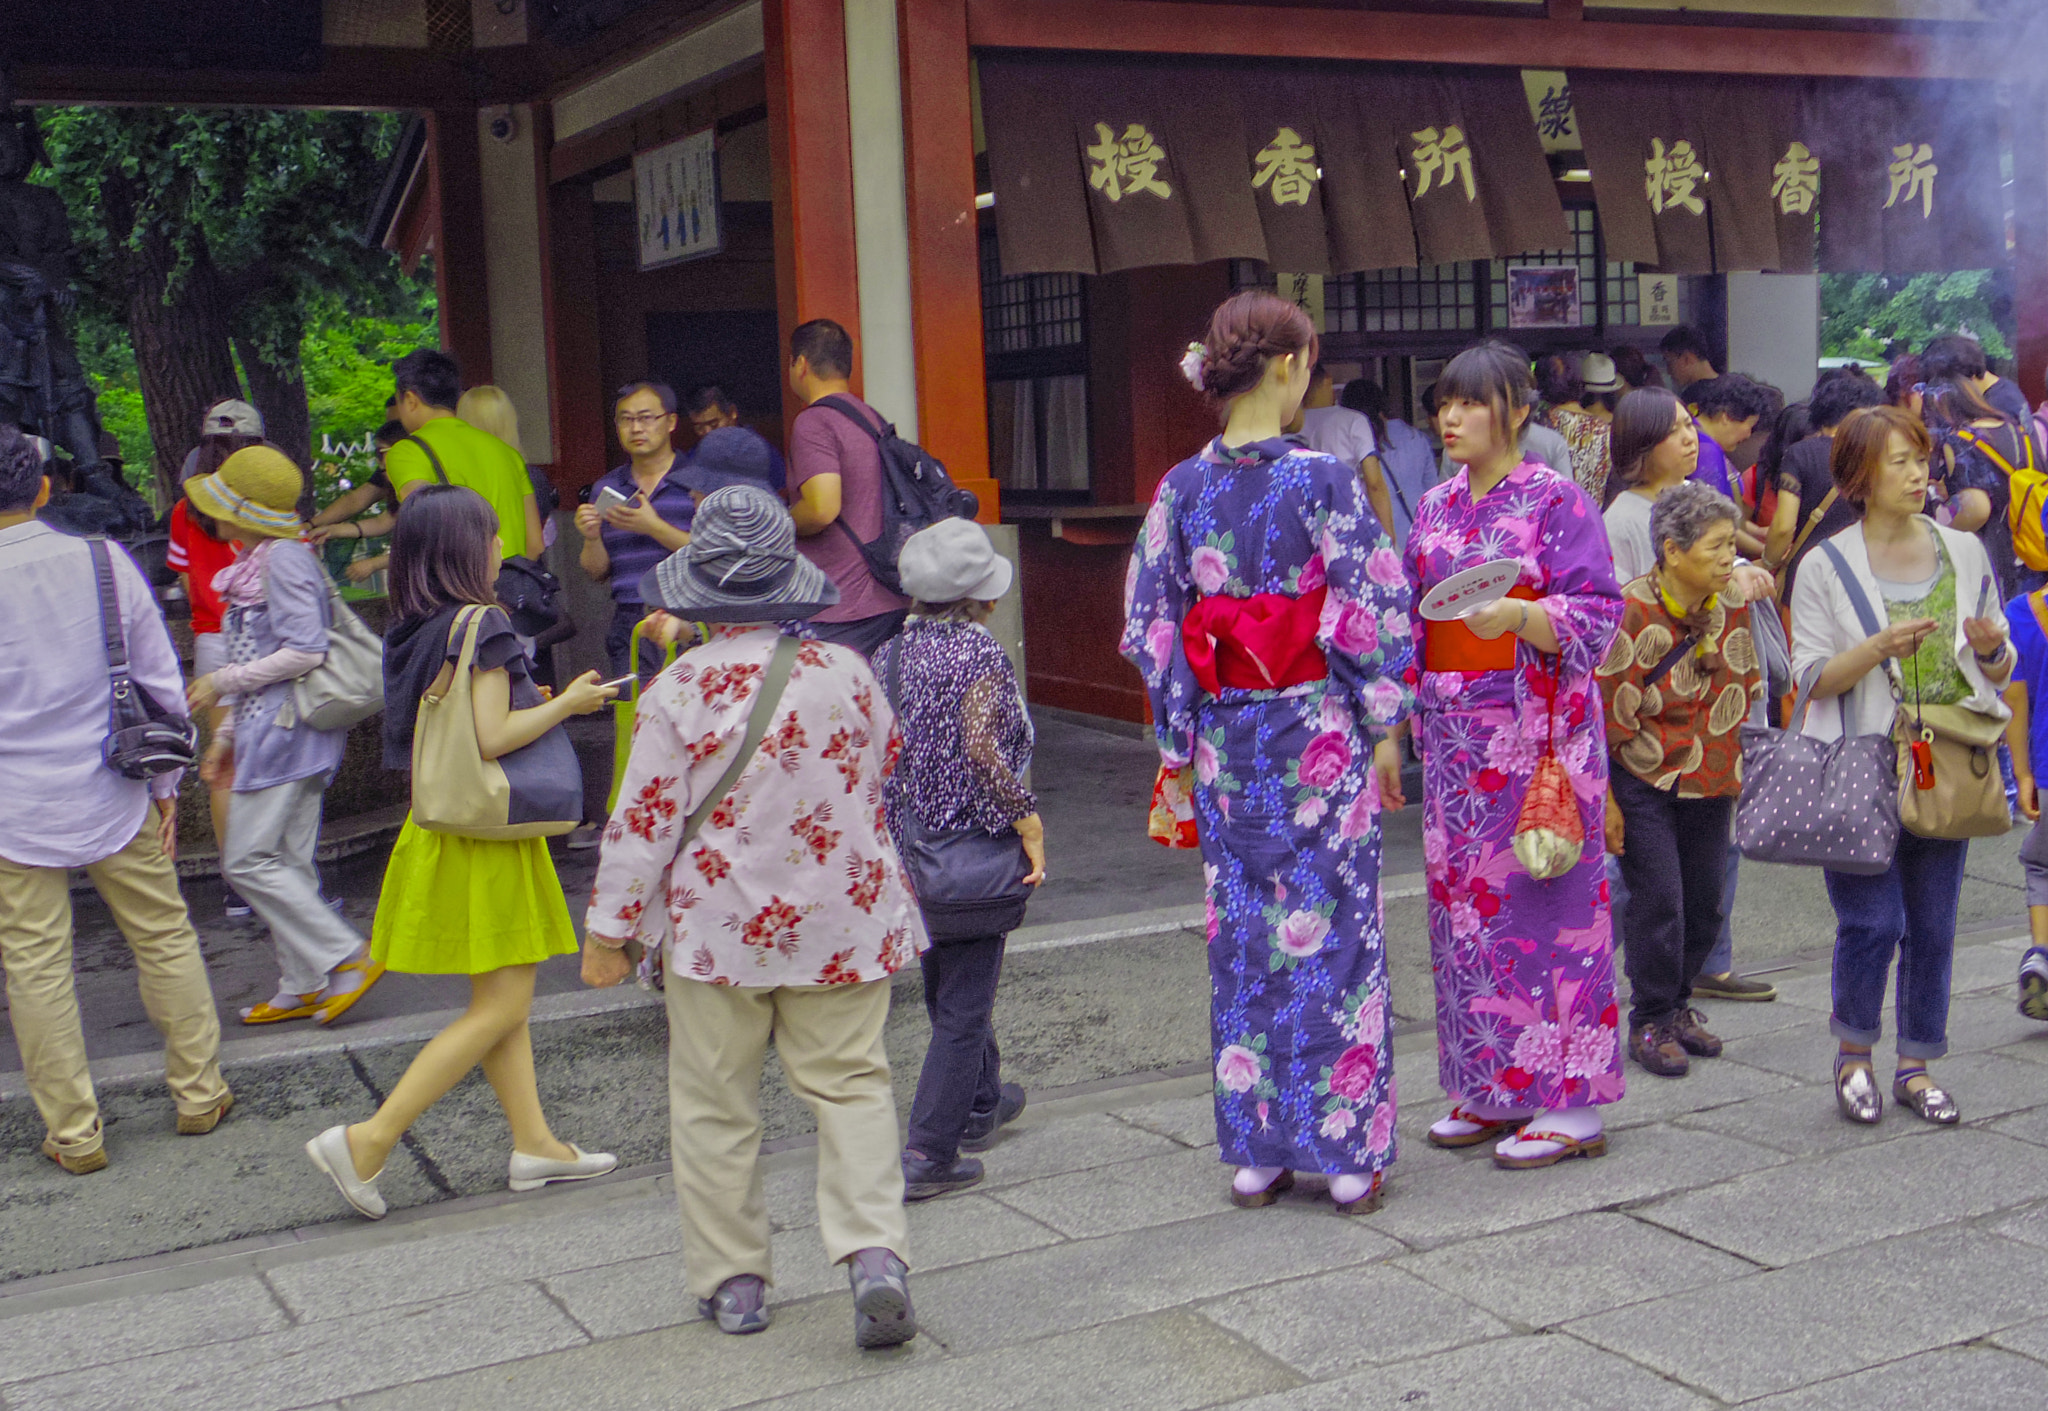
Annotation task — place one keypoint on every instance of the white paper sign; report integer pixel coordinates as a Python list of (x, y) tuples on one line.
[(1657, 294), (675, 195)]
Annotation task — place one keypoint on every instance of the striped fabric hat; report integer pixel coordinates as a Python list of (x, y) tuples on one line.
[(255, 492), (741, 565)]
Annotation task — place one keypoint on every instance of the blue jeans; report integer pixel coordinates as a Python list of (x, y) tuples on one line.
[(1721, 959), (1912, 910)]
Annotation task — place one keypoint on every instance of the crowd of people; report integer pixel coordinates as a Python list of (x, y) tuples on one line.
[(1582, 624), (1577, 622)]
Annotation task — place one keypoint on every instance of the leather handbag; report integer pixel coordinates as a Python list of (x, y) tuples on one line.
[(535, 791), (1818, 803), (529, 593), (346, 687), (969, 882), (143, 739), (1949, 782)]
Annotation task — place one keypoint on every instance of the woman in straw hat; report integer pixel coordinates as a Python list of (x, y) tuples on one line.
[(277, 614)]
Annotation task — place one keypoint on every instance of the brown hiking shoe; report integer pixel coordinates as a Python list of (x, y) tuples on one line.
[(1689, 1025), (1657, 1048)]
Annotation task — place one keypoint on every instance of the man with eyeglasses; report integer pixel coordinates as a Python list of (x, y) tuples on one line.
[(646, 519)]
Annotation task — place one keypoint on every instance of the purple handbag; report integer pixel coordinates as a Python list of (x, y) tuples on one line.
[(1818, 803)]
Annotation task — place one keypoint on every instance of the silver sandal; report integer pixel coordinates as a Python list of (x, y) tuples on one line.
[(1856, 1089), (1930, 1102)]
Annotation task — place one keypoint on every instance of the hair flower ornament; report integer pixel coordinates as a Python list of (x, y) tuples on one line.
[(1194, 364)]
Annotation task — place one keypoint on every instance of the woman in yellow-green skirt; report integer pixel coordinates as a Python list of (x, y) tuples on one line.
[(491, 909)]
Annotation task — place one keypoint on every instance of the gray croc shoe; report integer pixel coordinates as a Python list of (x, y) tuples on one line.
[(740, 1305), (882, 1315)]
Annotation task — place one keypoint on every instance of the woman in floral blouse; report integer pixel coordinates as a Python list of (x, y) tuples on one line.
[(1679, 681), (1266, 611), (783, 917), (1524, 970)]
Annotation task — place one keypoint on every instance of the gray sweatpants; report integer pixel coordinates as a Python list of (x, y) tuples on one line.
[(269, 860), (2034, 862)]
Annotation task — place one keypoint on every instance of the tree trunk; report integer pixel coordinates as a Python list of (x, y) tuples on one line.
[(280, 394), (181, 350)]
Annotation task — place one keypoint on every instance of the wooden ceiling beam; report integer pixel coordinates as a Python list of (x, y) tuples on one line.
[(1561, 39), (346, 78)]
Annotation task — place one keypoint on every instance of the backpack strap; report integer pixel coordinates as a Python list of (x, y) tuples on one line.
[(1990, 452), (772, 684), (432, 459), (844, 406)]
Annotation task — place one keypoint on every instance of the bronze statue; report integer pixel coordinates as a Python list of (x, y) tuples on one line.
[(42, 387)]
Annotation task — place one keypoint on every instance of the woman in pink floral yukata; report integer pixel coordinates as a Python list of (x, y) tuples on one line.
[(1526, 1020)]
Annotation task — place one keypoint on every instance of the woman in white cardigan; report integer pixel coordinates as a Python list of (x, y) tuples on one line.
[(1922, 581)]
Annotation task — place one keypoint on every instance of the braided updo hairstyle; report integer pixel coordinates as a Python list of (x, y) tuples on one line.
[(1245, 331)]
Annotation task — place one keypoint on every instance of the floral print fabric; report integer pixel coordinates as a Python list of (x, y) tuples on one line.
[(1683, 732), (1524, 969), (1285, 799), (793, 879)]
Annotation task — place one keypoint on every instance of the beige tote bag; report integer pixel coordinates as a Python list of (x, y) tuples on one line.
[(534, 792)]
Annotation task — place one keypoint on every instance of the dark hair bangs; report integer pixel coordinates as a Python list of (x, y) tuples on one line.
[(1493, 375), (441, 550)]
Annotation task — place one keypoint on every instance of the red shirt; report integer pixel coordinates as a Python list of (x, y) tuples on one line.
[(199, 556)]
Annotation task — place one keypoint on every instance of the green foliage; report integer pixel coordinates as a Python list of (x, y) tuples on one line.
[(275, 202), (1864, 315)]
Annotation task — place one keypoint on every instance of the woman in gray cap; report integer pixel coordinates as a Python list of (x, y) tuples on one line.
[(750, 815), (966, 744)]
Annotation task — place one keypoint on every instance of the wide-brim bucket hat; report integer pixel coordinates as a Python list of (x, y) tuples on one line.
[(255, 493), (741, 565)]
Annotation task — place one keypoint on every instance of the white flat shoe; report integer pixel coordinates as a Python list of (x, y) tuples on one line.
[(530, 1173), (329, 1151)]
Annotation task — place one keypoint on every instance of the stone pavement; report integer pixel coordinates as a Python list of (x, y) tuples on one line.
[(1740, 1244)]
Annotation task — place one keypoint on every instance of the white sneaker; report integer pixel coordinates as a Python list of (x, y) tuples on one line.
[(530, 1173), (329, 1151)]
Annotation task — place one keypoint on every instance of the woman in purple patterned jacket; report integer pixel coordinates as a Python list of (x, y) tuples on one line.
[(966, 744)]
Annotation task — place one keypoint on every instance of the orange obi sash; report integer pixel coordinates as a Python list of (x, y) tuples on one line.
[(1452, 646), (1262, 643)]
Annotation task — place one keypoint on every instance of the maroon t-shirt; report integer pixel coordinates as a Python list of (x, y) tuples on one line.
[(824, 442)]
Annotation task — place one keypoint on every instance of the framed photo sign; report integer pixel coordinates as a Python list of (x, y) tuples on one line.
[(1543, 296), (675, 196)]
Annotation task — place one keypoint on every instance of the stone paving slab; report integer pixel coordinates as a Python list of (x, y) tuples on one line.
[(1971, 1378), (1801, 1210), (1544, 1275), (1333, 1324), (1829, 1317)]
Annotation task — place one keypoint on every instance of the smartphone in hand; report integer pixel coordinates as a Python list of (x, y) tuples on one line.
[(609, 498)]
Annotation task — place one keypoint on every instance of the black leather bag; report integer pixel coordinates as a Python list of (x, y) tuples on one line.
[(969, 882), (143, 739), (530, 595)]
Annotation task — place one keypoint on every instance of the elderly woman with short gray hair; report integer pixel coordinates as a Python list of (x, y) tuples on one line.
[(1679, 680), (966, 744)]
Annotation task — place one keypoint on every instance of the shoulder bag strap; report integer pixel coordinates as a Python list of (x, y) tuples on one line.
[(1865, 614), (1663, 668), (1827, 502), (432, 459), (123, 707), (772, 683)]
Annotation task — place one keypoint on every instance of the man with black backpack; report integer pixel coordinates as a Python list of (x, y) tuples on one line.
[(835, 470)]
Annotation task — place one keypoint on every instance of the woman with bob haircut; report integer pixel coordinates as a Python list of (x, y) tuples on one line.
[(1266, 611), (491, 909), (1656, 446), (1923, 580), (1526, 1021)]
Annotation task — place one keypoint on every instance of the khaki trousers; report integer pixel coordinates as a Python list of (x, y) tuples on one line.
[(829, 1039), (140, 887)]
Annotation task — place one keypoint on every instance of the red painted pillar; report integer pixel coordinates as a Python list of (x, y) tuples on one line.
[(945, 247), (810, 147), (464, 293), (2030, 234)]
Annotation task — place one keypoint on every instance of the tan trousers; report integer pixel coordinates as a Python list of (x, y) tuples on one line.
[(140, 887), (829, 1039)]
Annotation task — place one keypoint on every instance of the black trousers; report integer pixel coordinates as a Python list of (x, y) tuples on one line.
[(962, 1068), (1675, 862), (864, 634)]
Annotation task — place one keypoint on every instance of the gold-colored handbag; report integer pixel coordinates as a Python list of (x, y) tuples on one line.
[(1950, 785)]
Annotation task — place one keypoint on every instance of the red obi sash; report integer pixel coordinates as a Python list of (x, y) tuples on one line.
[(1452, 646), (1262, 643)]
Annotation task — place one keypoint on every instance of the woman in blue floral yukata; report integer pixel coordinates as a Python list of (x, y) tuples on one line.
[(1267, 611), (1514, 750)]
